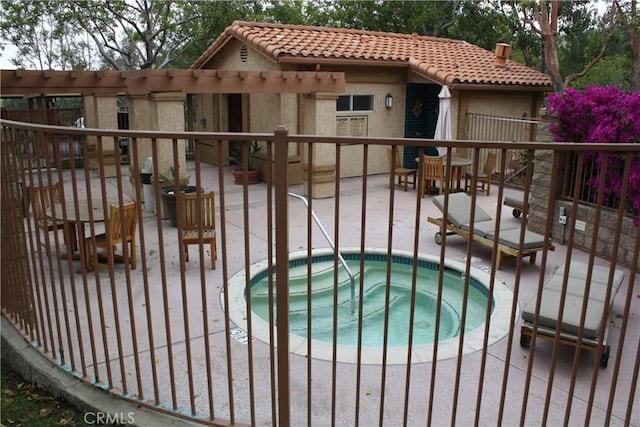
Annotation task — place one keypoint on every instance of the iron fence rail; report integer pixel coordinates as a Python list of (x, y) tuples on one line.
[(162, 335)]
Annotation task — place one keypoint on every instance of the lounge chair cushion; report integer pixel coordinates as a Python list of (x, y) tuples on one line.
[(576, 282), (576, 287), (460, 209), (599, 274), (515, 201), (571, 315), (575, 290), (485, 228), (511, 238)]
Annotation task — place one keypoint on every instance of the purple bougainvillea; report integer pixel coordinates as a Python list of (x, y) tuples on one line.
[(604, 115)]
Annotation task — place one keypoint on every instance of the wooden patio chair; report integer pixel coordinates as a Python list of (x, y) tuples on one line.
[(403, 174), (198, 221), (432, 173), (41, 199), (484, 177), (120, 229)]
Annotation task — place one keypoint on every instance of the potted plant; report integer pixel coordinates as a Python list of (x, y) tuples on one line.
[(168, 183), (236, 156)]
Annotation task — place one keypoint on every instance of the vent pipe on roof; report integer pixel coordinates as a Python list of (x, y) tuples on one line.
[(503, 51)]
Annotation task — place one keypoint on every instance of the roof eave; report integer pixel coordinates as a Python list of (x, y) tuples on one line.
[(448, 79), (501, 87), (209, 54), (288, 59), (223, 40), (431, 73)]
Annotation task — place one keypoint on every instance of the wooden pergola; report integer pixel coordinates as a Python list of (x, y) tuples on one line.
[(139, 82), (100, 86)]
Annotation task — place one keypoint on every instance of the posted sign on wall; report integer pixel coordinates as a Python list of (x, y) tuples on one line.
[(351, 126)]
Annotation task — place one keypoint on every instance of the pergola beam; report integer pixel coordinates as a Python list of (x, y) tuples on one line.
[(139, 82)]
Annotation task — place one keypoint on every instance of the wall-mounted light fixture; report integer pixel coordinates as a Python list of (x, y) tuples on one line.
[(388, 101)]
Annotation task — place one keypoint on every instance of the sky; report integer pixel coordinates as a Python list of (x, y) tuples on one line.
[(6, 55)]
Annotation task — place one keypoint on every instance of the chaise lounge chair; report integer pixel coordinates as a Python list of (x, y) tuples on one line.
[(515, 202), (596, 322), (459, 215)]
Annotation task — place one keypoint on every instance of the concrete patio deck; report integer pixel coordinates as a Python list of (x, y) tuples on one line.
[(404, 231)]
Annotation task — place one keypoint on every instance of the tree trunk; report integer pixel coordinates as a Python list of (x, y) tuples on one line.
[(634, 36), (549, 29)]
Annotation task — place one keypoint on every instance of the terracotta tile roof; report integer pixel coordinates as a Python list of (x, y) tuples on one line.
[(446, 61)]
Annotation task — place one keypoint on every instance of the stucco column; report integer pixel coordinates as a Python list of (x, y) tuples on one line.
[(101, 112), (289, 103), (139, 119), (319, 118), (167, 114), (139, 107), (289, 118)]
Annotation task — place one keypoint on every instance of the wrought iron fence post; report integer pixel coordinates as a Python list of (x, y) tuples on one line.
[(281, 185)]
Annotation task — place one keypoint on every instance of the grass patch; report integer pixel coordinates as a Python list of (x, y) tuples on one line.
[(24, 404)]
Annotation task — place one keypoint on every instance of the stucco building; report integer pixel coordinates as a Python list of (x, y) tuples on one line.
[(392, 87)]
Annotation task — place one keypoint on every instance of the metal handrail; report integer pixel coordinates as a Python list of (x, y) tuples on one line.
[(333, 247)]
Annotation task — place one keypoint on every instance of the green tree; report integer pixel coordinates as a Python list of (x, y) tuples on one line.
[(421, 17), (561, 26), (609, 71), (563, 38), (630, 23), (43, 40), (212, 18), (134, 34), (615, 66), (287, 11), (215, 16), (481, 23)]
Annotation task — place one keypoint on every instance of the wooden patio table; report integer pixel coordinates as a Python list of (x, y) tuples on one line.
[(83, 216), (457, 163)]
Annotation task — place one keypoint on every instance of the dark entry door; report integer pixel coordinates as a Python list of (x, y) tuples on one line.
[(234, 105), (421, 114)]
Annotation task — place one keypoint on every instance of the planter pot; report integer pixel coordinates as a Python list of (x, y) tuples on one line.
[(238, 176), (169, 200)]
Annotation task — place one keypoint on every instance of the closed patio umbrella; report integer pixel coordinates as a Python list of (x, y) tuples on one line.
[(443, 124)]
